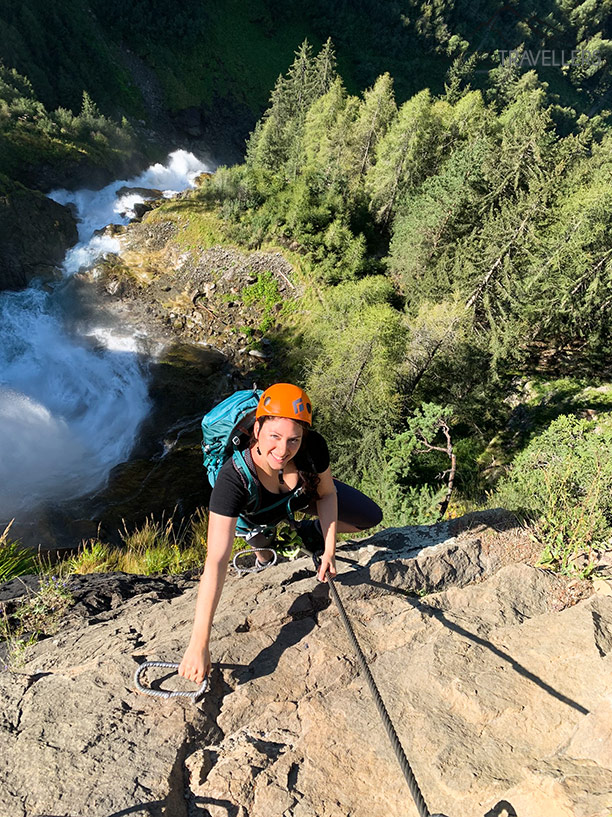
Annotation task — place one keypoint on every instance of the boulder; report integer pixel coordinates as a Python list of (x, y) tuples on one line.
[(145, 192), (35, 233), (140, 208), (497, 682)]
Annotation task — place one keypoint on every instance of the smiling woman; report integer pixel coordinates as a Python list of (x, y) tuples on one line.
[(289, 462)]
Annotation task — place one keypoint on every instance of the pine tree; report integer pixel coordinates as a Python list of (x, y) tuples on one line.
[(430, 224), (89, 109), (275, 147), (325, 137), (324, 69)]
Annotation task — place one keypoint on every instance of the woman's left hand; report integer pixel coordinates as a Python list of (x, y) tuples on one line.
[(328, 563)]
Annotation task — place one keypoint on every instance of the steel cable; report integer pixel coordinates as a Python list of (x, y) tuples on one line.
[(411, 780)]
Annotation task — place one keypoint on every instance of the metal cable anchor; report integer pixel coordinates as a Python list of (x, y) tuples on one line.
[(194, 697)]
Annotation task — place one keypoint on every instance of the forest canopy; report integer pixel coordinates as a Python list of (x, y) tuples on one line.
[(459, 245)]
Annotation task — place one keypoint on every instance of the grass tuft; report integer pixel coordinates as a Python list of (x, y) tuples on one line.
[(156, 547), (14, 559), (37, 616)]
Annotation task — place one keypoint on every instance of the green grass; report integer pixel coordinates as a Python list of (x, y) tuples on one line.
[(14, 559), (198, 227), (38, 615), (156, 547)]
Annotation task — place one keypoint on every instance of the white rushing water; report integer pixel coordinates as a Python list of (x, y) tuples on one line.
[(72, 397)]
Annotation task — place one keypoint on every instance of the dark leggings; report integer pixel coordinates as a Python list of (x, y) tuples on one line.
[(354, 508)]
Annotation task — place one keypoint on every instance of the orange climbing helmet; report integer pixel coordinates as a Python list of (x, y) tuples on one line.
[(285, 400)]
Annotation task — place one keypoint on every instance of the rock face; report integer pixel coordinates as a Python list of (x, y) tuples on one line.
[(35, 233), (498, 682)]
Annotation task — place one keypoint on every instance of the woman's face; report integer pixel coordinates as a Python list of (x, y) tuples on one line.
[(279, 440)]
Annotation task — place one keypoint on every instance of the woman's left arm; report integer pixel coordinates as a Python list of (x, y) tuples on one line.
[(327, 511)]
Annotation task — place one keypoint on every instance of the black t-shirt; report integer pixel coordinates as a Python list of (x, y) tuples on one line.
[(230, 494)]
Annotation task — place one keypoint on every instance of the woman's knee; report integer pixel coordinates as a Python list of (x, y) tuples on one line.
[(357, 509)]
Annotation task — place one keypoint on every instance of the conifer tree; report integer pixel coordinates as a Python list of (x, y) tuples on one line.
[(325, 136), (403, 155), (275, 150), (375, 114), (324, 68), (430, 223), (89, 109)]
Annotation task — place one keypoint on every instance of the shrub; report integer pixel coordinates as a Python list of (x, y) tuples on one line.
[(562, 485), (409, 473), (265, 295)]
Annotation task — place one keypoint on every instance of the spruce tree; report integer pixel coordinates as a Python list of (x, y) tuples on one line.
[(403, 155)]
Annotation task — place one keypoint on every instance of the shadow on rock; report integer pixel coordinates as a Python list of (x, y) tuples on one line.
[(434, 612), (303, 612), (231, 808), (502, 809), (152, 809)]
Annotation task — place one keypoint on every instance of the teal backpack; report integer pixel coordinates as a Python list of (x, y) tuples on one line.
[(226, 430)]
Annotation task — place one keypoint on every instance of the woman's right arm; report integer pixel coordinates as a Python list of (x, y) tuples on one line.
[(196, 661)]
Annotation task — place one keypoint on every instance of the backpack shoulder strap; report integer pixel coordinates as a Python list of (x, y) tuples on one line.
[(243, 463), (249, 479)]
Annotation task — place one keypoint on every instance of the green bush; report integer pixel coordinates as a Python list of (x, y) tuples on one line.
[(410, 472), (562, 484), (265, 295)]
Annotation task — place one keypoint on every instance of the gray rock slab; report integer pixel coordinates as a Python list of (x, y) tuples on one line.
[(500, 692)]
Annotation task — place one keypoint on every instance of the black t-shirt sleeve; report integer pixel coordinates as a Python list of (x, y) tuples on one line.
[(229, 495)]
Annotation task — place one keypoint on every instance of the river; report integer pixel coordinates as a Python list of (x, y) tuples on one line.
[(73, 387)]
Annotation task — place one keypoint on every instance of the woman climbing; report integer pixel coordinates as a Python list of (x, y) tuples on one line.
[(289, 461)]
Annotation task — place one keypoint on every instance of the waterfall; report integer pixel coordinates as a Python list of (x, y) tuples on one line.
[(73, 396)]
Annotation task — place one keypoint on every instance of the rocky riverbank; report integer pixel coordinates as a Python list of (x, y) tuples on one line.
[(213, 310), (212, 313), (196, 295), (496, 675)]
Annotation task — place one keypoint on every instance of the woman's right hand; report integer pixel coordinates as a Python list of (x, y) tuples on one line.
[(195, 665)]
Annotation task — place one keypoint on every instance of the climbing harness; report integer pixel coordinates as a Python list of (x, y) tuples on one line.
[(258, 566), (278, 546), (194, 697), (415, 791)]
